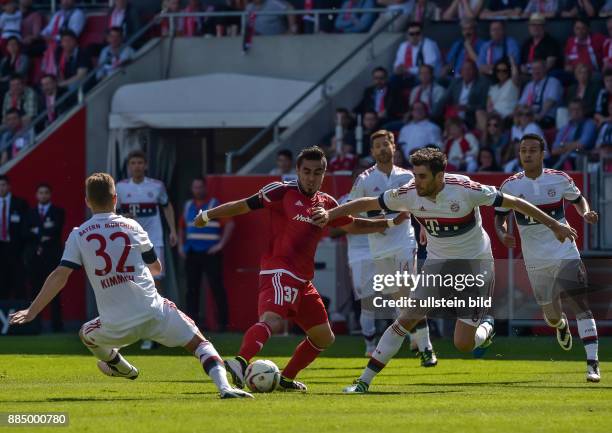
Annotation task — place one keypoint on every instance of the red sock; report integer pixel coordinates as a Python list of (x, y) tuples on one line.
[(304, 354), (254, 340)]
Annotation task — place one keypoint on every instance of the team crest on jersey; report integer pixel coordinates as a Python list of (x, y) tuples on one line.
[(552, 192), (454, 207)]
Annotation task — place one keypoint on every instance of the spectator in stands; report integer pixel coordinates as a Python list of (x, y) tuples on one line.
[(419, 131), (344, 127), (31, 27), (44, 246), (202, 249), (585, 47), (495, 137), (465, 95), (15, 138), (585, 88), (67, 17), (10, 21), (461, 147), (504, 93), (113, 56), (460, 9), (604, 138), (499, 47), (284, 163), (424, 10), (540, 46), (578, 135), (125, 15), (428, 91), (400, 160), (344, 158), (381, 97), (272, 24), (548, 8), (502, 9), (371, 124), (49, 97), (602, 114), (171, 7), (15, 62), (607, 47), (463, 49), (71, 62), (524, 123), (542, 94), (13, 232), (412, 53), (21, 98), (487, 161), (580, 8), (606, 9), (192, 26), (354, 22)]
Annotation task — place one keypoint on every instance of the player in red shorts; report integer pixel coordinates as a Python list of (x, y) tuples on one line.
[(287, 268)]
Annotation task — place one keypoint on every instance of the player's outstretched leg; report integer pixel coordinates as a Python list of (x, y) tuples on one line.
[(318, 338), (475, 338), (388, 345), (253, 341), (587, 330), (213, 366), (110, 361), (367, 320), (420, 336)]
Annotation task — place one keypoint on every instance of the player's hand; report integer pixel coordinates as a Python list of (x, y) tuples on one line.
[(173, 238), (215, 248), (320, 216), (199, 221), (563, 232), (401, 217), (591, 217), (422, 236), (21, 317), (508, 240)]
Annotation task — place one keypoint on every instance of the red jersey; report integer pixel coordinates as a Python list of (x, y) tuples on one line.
[(294, 236)]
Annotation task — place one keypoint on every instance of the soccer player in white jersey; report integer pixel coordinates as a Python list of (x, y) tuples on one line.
[(447, 205), (554, 270), (394, 250), (120, 261), (141, 198)]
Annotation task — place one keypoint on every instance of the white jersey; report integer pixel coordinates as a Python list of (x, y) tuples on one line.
[(547, 192), (372, 183), (143, 201), (358, 245), (452, 221), (113, 250)]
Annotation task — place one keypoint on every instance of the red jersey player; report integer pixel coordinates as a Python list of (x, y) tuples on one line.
[(287, 268)]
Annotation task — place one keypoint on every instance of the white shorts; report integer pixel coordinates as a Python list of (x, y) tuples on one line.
[(403, 261), (562, 276), (159, 252), (362, 272), (172, 329)]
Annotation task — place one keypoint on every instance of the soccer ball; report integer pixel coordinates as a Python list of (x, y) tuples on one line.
[(262, 376)]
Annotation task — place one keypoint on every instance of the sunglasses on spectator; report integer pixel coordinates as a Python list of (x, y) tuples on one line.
[(414, 33)]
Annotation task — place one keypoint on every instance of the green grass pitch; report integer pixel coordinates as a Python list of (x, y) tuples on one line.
[(523, 384)]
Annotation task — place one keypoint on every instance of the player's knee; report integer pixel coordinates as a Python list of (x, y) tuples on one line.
[(464, 345), (327, 340), (275, 323)]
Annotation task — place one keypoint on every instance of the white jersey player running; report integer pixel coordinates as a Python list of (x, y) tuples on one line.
[(447, 205), (553, 269), (119, 260), (395, 249)]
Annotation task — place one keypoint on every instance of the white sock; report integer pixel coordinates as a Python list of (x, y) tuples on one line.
[(367, 320), (213, 364), (387, 347), (482, 333), (120, 363), (587, 329), (420, 333)]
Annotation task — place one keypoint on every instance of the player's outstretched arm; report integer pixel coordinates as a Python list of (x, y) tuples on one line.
[(321, 216), (53, 284), (561, 231), (501, 229), (584, 210), (361, 226), (225, 210)]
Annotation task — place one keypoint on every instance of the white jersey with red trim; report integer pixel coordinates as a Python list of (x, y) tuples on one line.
[(143, 201), (110, 247), (358, 245), (548, 192), (452, 221), (372, 183)]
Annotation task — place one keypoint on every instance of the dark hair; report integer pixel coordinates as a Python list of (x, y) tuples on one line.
[(137, 153), (380, 69), (43, 185), (4, 177), (535, 137), (376, 114), (433, 159), (578, 101), (497, 22), (53, 77), (116, 29), (427, 66), (608, 72), (342, 110), (313, 153), (199, 179), (285, 152), (17, 76), (68, 32), (415, 24), (539, 60), (494, 165), (14, 38), (583, 20), (454, 121), (503, 61), (100, 189), (16, 111)]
